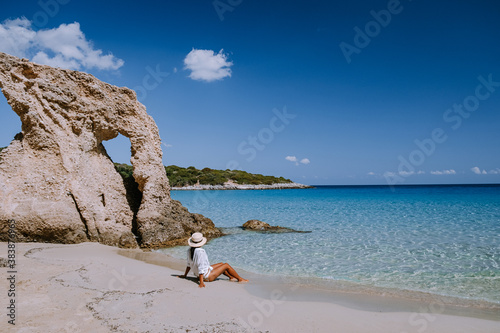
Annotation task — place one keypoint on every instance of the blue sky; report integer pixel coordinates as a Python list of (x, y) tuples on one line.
[(351, 92)]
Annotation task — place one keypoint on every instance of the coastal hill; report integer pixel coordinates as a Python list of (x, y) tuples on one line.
[(191, 178)]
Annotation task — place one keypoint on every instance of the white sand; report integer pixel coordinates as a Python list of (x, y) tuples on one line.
[(91, 288)]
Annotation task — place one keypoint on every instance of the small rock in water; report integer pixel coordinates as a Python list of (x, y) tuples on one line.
[(257, 225)]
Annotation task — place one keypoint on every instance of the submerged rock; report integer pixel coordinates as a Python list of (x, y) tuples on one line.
[(56, 180), (257, 225)]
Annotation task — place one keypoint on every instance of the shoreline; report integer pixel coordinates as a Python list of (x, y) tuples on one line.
[(366, 298), (234, 186), (94, 287)]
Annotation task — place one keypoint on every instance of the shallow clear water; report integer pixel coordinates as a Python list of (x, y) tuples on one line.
[(437, 239)]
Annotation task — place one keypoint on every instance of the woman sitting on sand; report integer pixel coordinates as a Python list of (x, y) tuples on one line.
[(197, 259)]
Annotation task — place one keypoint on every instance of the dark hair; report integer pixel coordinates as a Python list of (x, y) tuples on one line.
[(192, 252)]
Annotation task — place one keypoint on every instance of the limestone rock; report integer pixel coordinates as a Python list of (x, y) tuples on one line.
[(57, 181), (257, 225), (179, 225)]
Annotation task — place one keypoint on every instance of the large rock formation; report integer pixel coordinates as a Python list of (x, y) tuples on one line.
[(57, 181)]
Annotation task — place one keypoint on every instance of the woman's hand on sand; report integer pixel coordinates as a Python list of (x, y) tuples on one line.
[(202, 285)]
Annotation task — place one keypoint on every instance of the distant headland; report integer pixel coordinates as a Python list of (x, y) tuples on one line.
[(191, 178)]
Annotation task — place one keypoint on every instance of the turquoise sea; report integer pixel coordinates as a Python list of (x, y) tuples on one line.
[(442, 240)]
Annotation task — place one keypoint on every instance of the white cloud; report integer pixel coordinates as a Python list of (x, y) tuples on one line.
[(444, 172), (56, 61), (65, 46), (296, 161), (292, 159), (16, 36), (167, 145), (478, 171), (400, 173), (371, 173), (206, 65)]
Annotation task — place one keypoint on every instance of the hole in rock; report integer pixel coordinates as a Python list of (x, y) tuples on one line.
[(10, 124), (118, 149)]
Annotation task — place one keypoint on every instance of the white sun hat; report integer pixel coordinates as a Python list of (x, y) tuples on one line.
[(197, 240)]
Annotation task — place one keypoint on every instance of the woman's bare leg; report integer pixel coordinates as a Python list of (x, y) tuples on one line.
[(221, 269), (232, 278)]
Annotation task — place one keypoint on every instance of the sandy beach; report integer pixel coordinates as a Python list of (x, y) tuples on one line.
[(91, 287)]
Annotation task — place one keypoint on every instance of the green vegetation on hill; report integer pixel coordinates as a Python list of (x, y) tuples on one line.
[(124, 170), (179, 176)]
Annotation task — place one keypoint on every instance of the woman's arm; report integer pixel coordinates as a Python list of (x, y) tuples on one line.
[(185, 273), (202, 284)]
